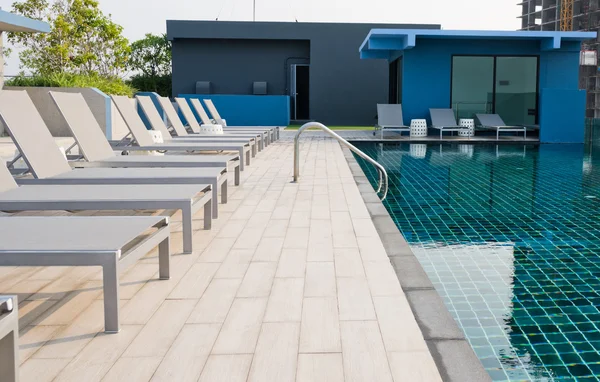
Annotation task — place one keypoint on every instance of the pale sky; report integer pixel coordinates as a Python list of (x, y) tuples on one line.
[(149, 16)]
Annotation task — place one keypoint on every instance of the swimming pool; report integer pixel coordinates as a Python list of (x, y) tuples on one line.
[(510, 237)]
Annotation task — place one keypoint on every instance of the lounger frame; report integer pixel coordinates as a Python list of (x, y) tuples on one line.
[(9, 341)]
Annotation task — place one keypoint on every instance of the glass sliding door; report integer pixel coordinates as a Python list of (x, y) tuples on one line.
[(472, 85), (516, 90)]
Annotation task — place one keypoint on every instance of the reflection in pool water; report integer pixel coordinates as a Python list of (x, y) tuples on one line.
[(510, 237)]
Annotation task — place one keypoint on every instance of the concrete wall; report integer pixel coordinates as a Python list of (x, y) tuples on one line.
[(1, 61), (96, 100), (344, 89)]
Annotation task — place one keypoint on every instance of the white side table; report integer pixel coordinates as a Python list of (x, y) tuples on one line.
[(418, 128), (467, 122)]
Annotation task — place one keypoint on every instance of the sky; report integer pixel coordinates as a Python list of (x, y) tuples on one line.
[(139, 17)]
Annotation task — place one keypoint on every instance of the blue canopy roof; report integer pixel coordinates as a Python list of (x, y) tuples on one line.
[(389, 43), (10, 22)]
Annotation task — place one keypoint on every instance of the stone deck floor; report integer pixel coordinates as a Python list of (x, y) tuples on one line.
[(291, 284)]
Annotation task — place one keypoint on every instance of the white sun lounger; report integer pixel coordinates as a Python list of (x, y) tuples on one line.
[(494, 122), (389, 117), (113, 243), (157, 123), (9, 339), (180, 131), (48, 165), (81, 197), (144, 141), (195, 127), (97, 150), (221, 121), (443, 120)]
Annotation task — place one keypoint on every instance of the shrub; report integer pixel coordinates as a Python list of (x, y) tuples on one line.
[(111, 86), (159, 84)]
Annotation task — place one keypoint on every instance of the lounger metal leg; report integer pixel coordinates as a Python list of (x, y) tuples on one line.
[(497, 135), (208, 215), (224, 192), (164, 259), (9, 351), (110, 282), (215, 199), (248, 157), (186, 223), (236, 175), (242, 163), (254, 149), (524, 134)]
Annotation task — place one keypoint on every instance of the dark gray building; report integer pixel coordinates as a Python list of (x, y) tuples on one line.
[(317, 64)]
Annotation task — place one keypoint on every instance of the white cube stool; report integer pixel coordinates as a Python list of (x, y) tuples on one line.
[(418, 128), (467, 122)]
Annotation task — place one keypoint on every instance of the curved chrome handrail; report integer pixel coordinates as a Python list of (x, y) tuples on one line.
[(382, 172)]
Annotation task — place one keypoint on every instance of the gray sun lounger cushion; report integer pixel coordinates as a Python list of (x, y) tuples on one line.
[(9, 339), (441, 118), (38, 197), (145, 142), (113, 243), (390, 116), (494, 121), (97, 150)]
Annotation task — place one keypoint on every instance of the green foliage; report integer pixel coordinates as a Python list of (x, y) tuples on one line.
[(159, 84), (112, 86), (151, 56), (82, 39)]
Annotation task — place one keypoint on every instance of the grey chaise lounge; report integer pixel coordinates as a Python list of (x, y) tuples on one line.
[(144, 141), (389, 117), (443, 120), (9, 338), (221, 121), (180, 131), (494, 122), (48, 165), (97, 150), (195, 127), (80, 197), (111, 242)]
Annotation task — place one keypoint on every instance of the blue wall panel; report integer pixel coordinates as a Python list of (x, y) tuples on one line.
[(562, 115), (248, 110)]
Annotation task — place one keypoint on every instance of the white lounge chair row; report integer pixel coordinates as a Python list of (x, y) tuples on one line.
[(390, 119), (102, 180)]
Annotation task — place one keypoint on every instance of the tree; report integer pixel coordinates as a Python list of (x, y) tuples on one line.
[(151, 60), (151, 56), (82, 39)]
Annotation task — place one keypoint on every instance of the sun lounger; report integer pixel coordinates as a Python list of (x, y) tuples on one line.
[(113, 243), (221, 121), (181, 133), (144, 141), (49, 166), (80, 197), (97, 150), (389, 117), (494, 122), (443, 120), (195, 127), (9, 338)]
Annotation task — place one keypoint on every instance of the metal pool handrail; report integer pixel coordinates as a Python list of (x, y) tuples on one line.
[(382, 173)]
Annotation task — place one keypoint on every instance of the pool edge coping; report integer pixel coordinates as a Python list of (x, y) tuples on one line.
[(453, 355)]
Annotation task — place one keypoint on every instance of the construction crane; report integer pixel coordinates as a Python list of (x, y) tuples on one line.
[(566, 15)]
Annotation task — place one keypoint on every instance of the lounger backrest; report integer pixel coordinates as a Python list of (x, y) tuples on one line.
[(389, 115), (201, 112), (132, 120), (213, 111), (7, 182), (83, 125), (30, 134), (173, 117), (151, 112), (188, 114), (442, 118), (490, 120)]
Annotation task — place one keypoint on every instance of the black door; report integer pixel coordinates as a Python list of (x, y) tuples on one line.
[(302, 92)]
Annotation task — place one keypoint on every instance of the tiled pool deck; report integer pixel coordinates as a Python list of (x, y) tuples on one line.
[(293, 283)]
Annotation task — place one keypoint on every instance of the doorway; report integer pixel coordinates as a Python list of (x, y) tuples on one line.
[(300, 91)]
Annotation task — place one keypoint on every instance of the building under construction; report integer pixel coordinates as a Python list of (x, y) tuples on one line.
[(571, 15)]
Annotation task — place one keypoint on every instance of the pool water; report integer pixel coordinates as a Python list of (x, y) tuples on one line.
[(510, 237)]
